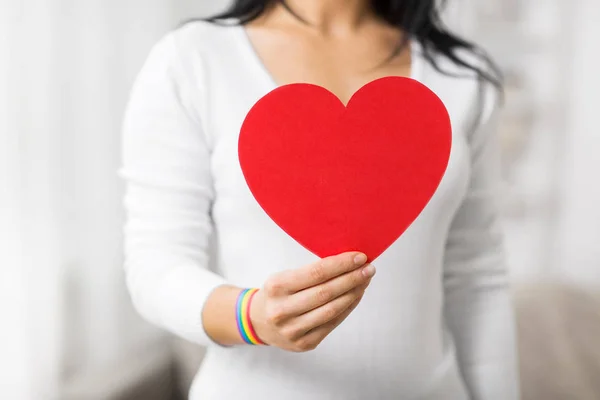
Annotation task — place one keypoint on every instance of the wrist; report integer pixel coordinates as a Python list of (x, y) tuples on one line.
[(246, 308), (219, 315)]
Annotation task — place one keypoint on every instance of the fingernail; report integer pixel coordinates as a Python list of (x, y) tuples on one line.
[(360, 259), (369, 271)]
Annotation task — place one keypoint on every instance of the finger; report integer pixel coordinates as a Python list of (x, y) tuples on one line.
[(304, 323), (315, 336), (316, 296), (321, 271)]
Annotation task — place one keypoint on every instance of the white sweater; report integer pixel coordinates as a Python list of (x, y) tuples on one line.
[(436, 322)]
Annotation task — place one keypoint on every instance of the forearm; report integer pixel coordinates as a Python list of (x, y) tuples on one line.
[(480, 316), (219, 316)]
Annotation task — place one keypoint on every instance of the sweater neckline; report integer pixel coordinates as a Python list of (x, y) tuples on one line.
[(266, 75)]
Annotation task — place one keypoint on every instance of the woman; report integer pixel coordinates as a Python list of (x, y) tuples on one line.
[(435, 323)]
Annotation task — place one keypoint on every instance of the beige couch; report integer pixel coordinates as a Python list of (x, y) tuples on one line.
[(559, 341)]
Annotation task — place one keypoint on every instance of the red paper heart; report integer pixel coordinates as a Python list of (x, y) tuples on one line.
[(339, 178)]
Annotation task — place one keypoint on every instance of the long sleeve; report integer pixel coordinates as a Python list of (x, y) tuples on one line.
[(478, 306), (168, 199)]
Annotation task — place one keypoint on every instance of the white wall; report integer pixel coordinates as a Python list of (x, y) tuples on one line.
[(13, 300), (577, 241), (66, 71), (30, 258)]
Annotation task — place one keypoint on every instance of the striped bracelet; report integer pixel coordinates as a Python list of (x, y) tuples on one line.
[(244, 324)]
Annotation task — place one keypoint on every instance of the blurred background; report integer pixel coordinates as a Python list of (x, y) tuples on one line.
[(68, 330)]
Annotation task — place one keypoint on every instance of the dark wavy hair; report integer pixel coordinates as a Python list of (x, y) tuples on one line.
[(420, 20)]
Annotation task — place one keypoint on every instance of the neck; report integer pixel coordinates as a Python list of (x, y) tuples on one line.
[(332, 15)]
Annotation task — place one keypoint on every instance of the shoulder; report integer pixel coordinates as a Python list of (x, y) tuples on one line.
[(183, 56), (180, 69), (202, 38), (475, 99), (191, 42)]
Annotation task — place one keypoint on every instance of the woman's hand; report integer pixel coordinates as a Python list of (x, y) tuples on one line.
[(297, 309)]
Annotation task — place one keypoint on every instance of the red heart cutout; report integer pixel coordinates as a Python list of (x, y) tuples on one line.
[(342, 178)]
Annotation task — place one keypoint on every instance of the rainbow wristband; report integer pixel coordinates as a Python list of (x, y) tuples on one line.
[(244, 324)]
